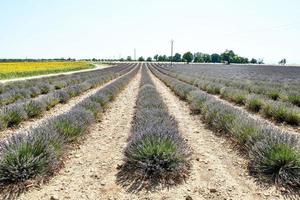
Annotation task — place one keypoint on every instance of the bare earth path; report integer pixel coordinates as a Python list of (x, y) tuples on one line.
[(90, 170)]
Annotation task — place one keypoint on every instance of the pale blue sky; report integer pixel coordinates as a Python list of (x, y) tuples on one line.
[(268, 29)]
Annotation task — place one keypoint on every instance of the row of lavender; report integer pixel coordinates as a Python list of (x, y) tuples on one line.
[(276, 105), (156, 153), (273, 155), (13, 114), (273, 82), (11, 92), (35, 154)]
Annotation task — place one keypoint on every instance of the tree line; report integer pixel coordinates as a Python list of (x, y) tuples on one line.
[(226, 57)]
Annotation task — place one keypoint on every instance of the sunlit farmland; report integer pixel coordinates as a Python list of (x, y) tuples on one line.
[(24, 69)]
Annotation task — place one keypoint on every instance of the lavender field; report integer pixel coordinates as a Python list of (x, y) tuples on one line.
[(148, 130)]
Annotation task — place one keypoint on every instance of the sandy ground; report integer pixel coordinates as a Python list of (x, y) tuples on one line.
[(55, 111), (90, 173), (98, 66)]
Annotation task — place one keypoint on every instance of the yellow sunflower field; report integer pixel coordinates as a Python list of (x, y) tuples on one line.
[(22, 69)]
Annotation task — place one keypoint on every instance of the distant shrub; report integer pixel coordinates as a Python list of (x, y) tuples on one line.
[(235, 95), (197, 100), (292, 117), (282, 112), (213, 88), (294, 98), (45, 88), (273, 94), (12, 115), (50, 101), (34, 108), (34, 92), (73, 90), (86, 85), (59, 85), (62, 95), (23, 94), (1, 88), (254, 103)]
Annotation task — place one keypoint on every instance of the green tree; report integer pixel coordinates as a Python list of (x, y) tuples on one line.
[(206, 58), (129, 58), (160, 58), (260, 61), (215, 58), (188, 57), (141, 59), (228, 56), (149, 59), (156, 57), (198, 57), (253, 61), (177, 57), (282, 62)]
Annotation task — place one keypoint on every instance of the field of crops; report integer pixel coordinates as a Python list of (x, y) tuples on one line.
[(152, 131), (22, 69)]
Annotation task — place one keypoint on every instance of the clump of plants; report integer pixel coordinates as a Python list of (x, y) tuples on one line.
[(34, 108), (246, 131), (273, 94), (45, 88), (62, 95), (12, 115), (294, 98), (282, 112), (278, 157), (197, 100), (90, 106), (34, 92), (25, 157), (50, 101), (73, 90), (73, 124), (254, 103)]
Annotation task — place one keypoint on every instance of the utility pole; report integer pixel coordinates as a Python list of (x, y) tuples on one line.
[(172, 43), (134, 53)]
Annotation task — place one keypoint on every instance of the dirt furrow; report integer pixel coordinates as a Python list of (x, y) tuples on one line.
[(218, 172), (90, 171), (55, 111)]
